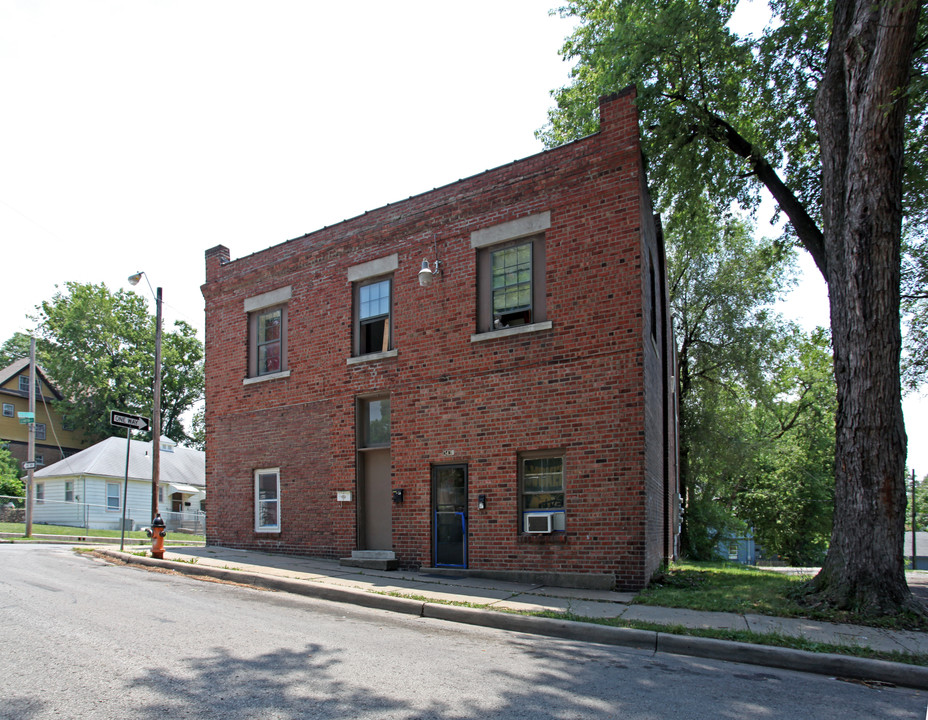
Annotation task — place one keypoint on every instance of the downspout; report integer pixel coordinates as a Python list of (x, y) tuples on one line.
[(665, 390)]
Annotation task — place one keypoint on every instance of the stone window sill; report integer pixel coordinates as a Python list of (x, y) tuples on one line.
[(506, 332), (265, 378), (372, 357)]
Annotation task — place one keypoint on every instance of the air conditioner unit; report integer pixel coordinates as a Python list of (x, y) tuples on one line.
[(539, 522)]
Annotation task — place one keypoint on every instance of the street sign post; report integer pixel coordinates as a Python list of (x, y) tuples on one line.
[(25, 418), (28, 465), (130, 423), (133, 422)]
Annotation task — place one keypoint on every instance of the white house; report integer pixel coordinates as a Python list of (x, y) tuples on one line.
[(86, 489)]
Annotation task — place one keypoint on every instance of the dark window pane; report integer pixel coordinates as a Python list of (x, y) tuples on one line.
[(376, 419)]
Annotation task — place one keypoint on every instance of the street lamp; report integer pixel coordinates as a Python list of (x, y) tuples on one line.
[(156, 409)]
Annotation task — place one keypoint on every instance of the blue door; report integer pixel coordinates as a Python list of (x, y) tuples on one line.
[(449, 502)]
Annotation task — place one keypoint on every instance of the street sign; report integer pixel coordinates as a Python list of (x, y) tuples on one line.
[(26, 417), (28, 465), (121, 419)]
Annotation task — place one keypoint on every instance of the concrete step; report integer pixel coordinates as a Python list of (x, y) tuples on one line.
[(373, 555), (371, 560)]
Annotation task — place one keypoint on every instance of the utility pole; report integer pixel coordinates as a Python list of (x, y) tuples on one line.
[(156, 412), (30, 454), (914, 557)]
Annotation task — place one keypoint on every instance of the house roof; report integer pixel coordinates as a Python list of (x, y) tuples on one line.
[(181, 466), (16, 368)]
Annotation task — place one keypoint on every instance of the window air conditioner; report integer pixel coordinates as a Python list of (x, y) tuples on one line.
[(539, 522)]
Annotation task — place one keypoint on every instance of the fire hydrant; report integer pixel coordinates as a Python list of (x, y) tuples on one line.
[(157, 532)]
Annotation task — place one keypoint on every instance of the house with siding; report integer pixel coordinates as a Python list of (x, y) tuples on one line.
[(55, 437), (478, 379), (89, 489)]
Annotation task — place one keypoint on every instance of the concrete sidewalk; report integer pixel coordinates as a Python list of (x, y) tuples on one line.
[(485, 602)]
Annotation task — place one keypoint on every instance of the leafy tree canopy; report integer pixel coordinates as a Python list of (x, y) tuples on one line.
[(724, 115), (10, 484), (98, 347), (819, 110), (756, 393)]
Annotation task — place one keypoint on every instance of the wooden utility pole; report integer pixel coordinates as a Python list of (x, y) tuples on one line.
[(156, 412), (914, 556), (30, 454)]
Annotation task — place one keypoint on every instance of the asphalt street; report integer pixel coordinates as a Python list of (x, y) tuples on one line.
[(86, 639)]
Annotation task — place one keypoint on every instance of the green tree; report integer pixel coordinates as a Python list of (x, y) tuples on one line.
[(99, 347), (10, 484), (788, 493), (921, 504), (721, 282), (198, 429), (16, 347), (814, 111)]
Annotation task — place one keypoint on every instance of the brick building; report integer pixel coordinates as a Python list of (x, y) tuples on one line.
[(478, 378)]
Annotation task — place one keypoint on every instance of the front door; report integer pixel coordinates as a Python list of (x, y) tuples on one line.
[(449, 503), (377, 512)]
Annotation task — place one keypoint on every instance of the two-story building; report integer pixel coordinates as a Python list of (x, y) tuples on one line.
[(478, 378), (55, 437)]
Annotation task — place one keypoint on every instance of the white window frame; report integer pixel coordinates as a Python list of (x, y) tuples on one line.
[(39, 459), (110, 508), (39, 493), (24, 385), (41, 434), (9, 410), (69, 491), (259, 503)]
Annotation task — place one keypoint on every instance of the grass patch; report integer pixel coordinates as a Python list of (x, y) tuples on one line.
[(728, 587), (20, 529), (433, 601), (746, 636)]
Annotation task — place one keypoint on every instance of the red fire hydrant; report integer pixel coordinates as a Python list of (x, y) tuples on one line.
[(157, 533)]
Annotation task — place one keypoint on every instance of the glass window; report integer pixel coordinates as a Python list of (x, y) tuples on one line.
[(511, 284), (40, 431), (267, 500), (24, 385), (68, 491), (375, 422), (269, 338), (39, 459), (372, 329), (112, 496), (39, 493), (8, 410), (542, 483), (267, 332), (511, 270)]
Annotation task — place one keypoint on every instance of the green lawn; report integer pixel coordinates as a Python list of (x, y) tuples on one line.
[(729, 587), (37, 529)]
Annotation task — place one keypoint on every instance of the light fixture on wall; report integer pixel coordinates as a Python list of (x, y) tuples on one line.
[(426, 273)]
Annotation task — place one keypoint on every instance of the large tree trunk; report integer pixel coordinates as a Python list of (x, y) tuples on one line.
[(860, 113)]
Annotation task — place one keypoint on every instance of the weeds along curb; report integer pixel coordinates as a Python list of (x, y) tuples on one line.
[(844, 666)]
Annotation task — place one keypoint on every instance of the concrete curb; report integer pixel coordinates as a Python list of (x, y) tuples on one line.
[(844, 666)]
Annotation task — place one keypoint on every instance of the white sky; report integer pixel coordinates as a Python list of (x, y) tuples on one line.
[(135, 135)]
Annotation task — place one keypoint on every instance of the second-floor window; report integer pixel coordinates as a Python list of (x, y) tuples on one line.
[(267, 332), (373, 304)]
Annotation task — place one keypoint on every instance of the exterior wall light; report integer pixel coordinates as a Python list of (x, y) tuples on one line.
[(426, 274)]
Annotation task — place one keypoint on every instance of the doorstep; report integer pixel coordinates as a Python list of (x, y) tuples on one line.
[(371, 560)]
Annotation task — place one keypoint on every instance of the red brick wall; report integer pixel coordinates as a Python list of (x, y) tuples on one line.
[(579, 386)]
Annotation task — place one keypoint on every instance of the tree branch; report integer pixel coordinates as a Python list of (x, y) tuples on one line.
[(806, 228)]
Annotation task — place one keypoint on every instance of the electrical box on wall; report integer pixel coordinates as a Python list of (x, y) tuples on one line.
[(343, 496)]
